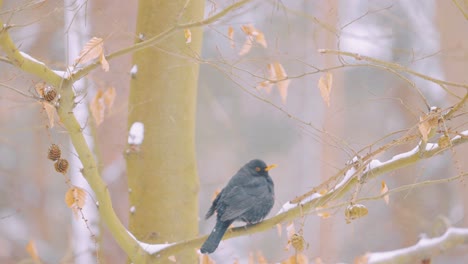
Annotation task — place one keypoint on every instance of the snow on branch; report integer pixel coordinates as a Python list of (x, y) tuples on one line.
[(373, 168), (425, 249)]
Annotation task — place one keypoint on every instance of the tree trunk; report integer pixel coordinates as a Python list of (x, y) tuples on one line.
[(162, 178)]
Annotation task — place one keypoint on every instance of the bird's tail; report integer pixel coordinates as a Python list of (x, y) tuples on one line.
[(214, 238)]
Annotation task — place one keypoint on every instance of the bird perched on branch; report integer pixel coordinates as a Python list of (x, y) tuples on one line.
[(248, 197)]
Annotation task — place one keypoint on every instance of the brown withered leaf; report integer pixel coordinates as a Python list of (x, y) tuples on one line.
[(40, 87), (172, 258), (50, 111), (75, 199), (97, 107), (247, 46), (283, 82), (384, 189), (252, 34), (276, 75), (104, 63), (231, 36), (260, 39), (109, 98), (32, 251), (325, 85), (427, 124), (93, 49)]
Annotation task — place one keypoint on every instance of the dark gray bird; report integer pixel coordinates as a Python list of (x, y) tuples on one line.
[(248, 196)]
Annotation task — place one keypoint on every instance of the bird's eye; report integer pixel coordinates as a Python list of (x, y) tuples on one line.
[(257, 168)]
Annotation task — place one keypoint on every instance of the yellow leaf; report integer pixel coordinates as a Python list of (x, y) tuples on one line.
[(50, 111), (75, 198), (188, 35), (93, 49), (109, 97), (383, 190), (32, 251), (231, 36), (246, 47), (325, 84)]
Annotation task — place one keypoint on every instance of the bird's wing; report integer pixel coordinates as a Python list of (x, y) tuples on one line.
[(214, 205), (240, 199)]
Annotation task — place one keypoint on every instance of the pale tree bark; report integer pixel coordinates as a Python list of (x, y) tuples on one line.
[(162, 178)]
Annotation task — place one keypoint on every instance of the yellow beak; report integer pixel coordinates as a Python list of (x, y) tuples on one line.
[(269, 167)]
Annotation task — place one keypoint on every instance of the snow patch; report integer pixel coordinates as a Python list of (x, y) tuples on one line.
[(136, 134)]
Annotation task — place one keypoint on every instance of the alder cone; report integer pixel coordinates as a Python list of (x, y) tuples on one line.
[(50, 94), (54, 152), (61, 165)]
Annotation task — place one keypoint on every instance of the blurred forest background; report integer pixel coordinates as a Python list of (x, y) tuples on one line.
[(233, 126)]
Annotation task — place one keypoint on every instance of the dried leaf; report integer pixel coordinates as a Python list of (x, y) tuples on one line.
[(172, 258), (32, 251), (283, 82), (444, 141), (265, 85), (188, 35), (50, 111), (298, 242), (109, 97), (40, 87), (383, 190), (247, 46), (249, 30), (75, 199), (325, 84), (354, 211), (260, 39), (97, 107), (93, 49), (104, 63), (231, 36), (283, 90), (427, 124)]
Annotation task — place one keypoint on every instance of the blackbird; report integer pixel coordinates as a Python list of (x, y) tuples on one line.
[(248, 197)]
